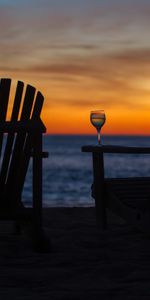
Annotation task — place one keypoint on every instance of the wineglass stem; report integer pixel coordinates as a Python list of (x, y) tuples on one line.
[(99, 137)]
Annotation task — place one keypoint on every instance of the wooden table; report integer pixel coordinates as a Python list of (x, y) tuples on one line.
[(99, 186)]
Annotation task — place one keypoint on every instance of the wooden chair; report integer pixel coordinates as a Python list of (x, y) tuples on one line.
[(127, 197), (21, 139)]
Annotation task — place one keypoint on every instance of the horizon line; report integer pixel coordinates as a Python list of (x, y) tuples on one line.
[(90, 134)]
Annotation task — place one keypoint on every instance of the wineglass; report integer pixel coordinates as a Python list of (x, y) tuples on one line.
[(98, 118)]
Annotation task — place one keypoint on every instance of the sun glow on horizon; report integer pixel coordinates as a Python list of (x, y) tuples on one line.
[(81, 55)]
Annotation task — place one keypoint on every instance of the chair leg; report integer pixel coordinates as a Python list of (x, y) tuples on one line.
[(17, 228), (98, 186), (40, 242)]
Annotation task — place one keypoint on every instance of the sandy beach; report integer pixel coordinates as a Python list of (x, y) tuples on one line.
[(85, 263)]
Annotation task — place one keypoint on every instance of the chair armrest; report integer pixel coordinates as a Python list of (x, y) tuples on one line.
[(45, 154), (22, 126), (116, 149)]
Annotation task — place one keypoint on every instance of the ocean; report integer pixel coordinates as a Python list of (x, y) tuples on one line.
[(67, 172)]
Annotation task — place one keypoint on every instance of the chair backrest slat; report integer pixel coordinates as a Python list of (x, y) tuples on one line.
[(28, 103), (15, 168), (25, 160), (11, 136), (4, 97), (37, 106), (17, 101)]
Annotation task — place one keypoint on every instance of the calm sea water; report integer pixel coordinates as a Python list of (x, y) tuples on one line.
[(67, 173)]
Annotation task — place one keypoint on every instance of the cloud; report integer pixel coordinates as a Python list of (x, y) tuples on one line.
[(98, 65), (98, 47), (116, 78), (52, 25), (135, 56)]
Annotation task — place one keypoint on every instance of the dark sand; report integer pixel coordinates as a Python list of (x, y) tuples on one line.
[(84, 264)]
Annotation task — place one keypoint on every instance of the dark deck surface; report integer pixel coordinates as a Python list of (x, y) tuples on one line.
[(85, 263)]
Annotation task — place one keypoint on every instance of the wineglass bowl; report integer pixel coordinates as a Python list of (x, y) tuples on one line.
[(98, 118)]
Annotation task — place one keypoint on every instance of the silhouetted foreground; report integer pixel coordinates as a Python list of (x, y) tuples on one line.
[(21, 139), (126, 197), (84, 264)]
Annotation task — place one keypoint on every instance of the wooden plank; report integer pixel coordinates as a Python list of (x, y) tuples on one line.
[(4, 97), (37, 106), (16, 160), (28, 103), (34, 142), (37, 126), (17, 101), (116, 149), (98, 186), (10, 136), (37, 183), (22, 126), (133, 192)]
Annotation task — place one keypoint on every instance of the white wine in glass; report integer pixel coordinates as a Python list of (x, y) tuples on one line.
[(98, 118)]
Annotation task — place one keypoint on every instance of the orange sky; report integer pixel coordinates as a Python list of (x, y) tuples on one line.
[(81, 55)]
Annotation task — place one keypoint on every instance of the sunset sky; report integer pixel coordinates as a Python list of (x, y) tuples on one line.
[(82, 55)]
